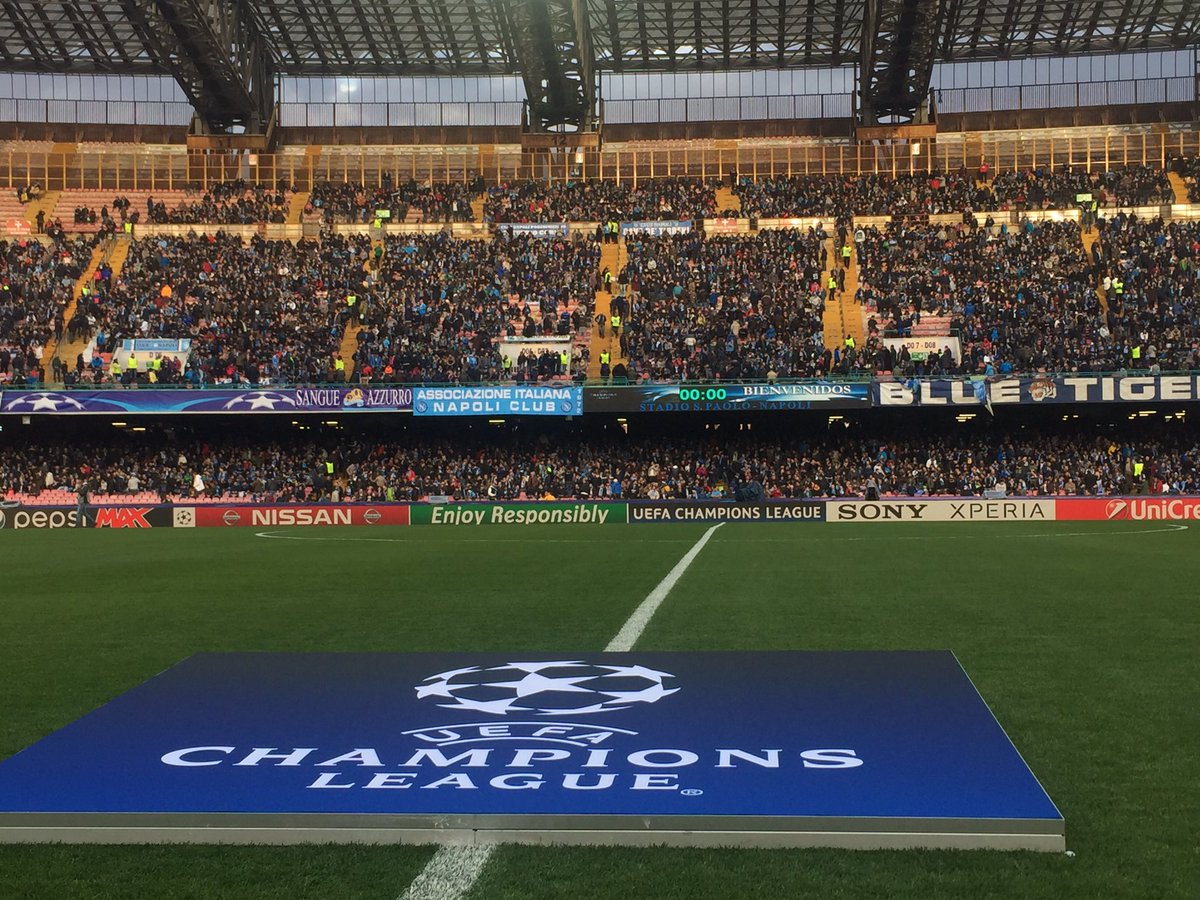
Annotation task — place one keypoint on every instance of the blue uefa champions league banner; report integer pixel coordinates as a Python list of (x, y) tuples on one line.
[(167, 400), (642, 739), (718, 397), (656, 228), (510, 400)]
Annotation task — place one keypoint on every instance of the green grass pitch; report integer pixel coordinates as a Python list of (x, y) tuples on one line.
[(1083, 637)]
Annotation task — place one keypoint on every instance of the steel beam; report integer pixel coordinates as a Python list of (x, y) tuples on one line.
[(214, 50), (899, 45), (554, 52)]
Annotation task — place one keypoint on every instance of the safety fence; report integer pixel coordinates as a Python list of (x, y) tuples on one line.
[(137, 168)]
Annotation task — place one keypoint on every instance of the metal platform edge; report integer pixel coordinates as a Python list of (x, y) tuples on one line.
[(756, 832)]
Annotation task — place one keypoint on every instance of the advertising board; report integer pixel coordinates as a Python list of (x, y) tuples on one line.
[(656, 228), (471, 514), (726, 397), (939, 510), (16, 517), (1033, 390), (246, 515), (726, 511), (355, 398), (535, 229), (501, 400), (1128, 508)]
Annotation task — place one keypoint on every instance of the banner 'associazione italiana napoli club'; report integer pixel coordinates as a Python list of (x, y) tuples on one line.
[(766, 749), (499, 401)]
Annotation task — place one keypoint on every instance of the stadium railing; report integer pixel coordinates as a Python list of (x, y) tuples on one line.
[(856, 378), (136, 168)]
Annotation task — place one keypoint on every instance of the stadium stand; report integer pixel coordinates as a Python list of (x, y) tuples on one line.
[(36, 284), (726, 307), (1058, 189), (1023, 294), (226, 203), (841, 196), (914, 460), (1186, 170), (592, 201), (1020, 298), (757, 251), (933, 193), (223, 203), (411, 203), (1150, 280), (262, 311), (440, 306), (431, 308)]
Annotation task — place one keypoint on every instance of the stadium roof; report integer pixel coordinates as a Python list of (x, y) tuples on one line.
[(448, 37)]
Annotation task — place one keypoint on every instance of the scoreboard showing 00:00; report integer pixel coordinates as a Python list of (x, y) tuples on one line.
[(692, 398)]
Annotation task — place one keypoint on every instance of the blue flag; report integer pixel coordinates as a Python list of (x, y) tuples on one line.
[(983, 395)]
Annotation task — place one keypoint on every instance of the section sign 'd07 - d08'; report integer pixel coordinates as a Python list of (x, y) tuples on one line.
[(778, 749)]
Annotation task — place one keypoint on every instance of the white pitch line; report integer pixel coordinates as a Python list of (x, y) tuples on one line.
[(637, 622), (452, 872)]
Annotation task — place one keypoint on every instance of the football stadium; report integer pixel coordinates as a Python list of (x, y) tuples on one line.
[(593, 448)]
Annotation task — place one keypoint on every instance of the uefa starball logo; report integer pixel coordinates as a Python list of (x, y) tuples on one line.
[(543, 725), (43, 401), (260, 400), (567, 687)]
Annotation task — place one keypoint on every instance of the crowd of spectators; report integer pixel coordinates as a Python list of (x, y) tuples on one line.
[(440, 306), (746, 306), (36, 283), (1020, 298), (86, 215), (913, 461), (256, 311), (1188, 168), (240, 202), (666, 199), (28, 193), (431, 308), (227, 203), (1148, 271), (933, 193), (1037, 189), (341, 202), (839, 196)]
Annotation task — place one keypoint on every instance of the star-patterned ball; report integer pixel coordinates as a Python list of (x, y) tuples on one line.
[(546, 688)]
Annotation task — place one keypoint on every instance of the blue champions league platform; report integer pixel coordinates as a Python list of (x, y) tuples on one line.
[(781, 749)]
